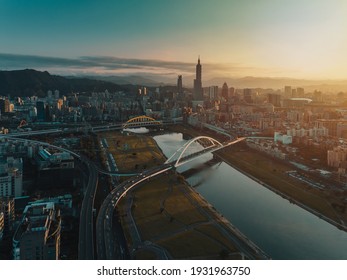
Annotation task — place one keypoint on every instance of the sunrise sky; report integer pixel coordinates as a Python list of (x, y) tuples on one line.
[(277, 38)]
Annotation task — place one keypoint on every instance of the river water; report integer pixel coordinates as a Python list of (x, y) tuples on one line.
[(282, 229)]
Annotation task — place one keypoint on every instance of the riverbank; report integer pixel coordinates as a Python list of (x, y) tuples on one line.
[(272, 174), (284, 195)]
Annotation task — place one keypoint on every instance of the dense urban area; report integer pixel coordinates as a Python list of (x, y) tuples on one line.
[(77, 180)]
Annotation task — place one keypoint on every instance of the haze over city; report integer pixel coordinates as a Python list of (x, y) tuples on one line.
[(296, 39)]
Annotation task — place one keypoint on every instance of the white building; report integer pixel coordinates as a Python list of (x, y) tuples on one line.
[(213, 92), (11, 177), (312, 132), (337, 157), (283, 138)]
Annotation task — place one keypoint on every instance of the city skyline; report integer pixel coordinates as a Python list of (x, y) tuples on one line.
[(297, 39)]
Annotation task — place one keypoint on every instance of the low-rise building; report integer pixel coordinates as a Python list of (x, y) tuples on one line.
[(267, 147), (283, 138), (61, 160)]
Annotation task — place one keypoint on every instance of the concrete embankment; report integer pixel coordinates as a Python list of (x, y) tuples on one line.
[(273, 189)]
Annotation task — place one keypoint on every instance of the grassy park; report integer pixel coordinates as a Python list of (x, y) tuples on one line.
[(169, 214), (273, 173), (165, 211), (132, 152)]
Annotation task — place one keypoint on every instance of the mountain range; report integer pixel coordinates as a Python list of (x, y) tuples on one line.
[(244, 82), (30, 82)]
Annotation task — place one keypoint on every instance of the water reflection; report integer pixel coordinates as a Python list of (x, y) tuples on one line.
[(281, 229)]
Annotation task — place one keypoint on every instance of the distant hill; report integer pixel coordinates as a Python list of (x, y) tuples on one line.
[(30, 82), (279, 83), (152, 80), (127, 80)]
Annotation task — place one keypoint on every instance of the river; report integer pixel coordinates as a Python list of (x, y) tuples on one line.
[(282, 229)]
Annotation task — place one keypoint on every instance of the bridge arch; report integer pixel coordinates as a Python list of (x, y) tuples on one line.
[(140, 119), (209, 144)]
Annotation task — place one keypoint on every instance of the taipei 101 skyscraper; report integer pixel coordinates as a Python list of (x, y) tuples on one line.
[(197, 83)]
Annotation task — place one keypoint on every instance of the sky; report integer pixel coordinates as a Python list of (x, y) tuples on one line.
[(264, 38)]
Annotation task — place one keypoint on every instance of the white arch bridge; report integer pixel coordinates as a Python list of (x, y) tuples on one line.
[(191, 150), (197, 147)]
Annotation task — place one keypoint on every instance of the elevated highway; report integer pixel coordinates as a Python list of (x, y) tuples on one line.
[(106, 247), (137, 122)]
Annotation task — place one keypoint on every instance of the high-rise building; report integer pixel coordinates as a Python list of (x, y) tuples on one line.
[(179, 84), (59, 104), (317, 96), (288, 91), (48, 113), (7, 208), (2, 225), (11, 174), (225, 91), (337, 157), (41, 113), (4, 106), (247, 95), (38, 235), (274, 99), (300, 92), (56, 94), (198, 94), (213, 92), (231, 92), (294, 93)]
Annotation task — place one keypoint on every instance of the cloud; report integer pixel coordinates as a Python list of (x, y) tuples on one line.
[(108, 65), (98, 64)]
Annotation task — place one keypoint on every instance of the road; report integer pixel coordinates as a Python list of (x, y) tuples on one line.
[(106, 247), (84, 128), (86, 230)]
